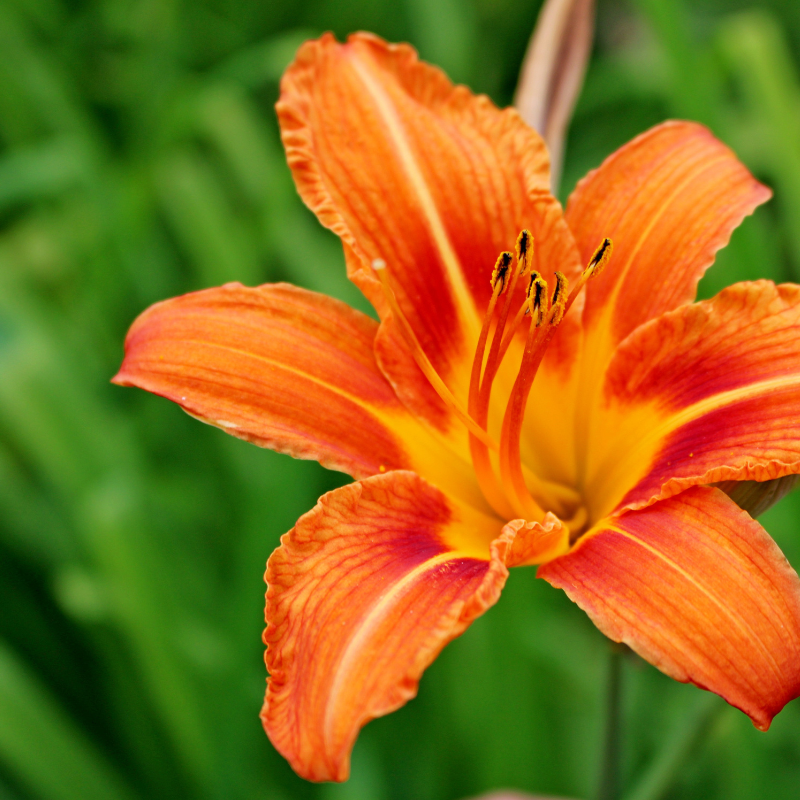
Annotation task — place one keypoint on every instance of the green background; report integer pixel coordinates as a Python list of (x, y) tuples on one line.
[(139, 159)]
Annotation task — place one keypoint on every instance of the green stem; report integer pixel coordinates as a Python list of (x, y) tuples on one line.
[(660, 775), (608, 787)]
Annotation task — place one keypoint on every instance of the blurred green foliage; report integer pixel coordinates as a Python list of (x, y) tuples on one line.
[(139, 159)]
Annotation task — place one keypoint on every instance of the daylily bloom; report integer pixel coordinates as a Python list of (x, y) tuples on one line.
[(528, 397)]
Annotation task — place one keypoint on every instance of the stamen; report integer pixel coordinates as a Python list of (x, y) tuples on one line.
[(480, 454), (538, 302), (499, 276), (524, 249), (509, 495), (379, 267), (510, 460), (601, 257), (539, 337), (478, 406)]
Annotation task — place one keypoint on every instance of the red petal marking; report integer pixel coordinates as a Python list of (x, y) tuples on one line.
[(363, 594), (722, 381), (434, 181), (669, 199), (279, 366), (697, 587)]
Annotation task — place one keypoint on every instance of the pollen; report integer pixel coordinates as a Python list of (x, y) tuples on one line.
[(537, 298), (558, 304), (500, 272), (601, 257)]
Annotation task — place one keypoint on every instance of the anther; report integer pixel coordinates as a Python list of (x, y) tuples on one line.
[(600, 258), (537, 298), (535, 276), (500, 271), (595, 266), (560, 292), (524, 242), (558, 304)]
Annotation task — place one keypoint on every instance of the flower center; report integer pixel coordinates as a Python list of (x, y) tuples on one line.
[(509, 489)]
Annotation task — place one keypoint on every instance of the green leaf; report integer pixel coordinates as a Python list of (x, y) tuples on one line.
[(43, 748)]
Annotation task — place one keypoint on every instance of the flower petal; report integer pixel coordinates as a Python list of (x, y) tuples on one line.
[(707, 393), (279, 366), (435, 182), (697, 587), (669, 199), (287, 369), (363, 594)]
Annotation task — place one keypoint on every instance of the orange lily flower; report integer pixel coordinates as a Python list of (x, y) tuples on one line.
[(613, 470)]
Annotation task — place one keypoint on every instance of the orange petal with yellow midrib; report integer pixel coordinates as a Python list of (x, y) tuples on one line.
[(669, 200), (707, 393), (279, 366), (697, 587), (430, 179), (363, 594)]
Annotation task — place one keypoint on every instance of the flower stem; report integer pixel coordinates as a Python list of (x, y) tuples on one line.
[(660, 775), (608, 787)]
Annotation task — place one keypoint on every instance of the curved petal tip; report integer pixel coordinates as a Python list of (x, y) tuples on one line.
[(697, 588), (363, 594)]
